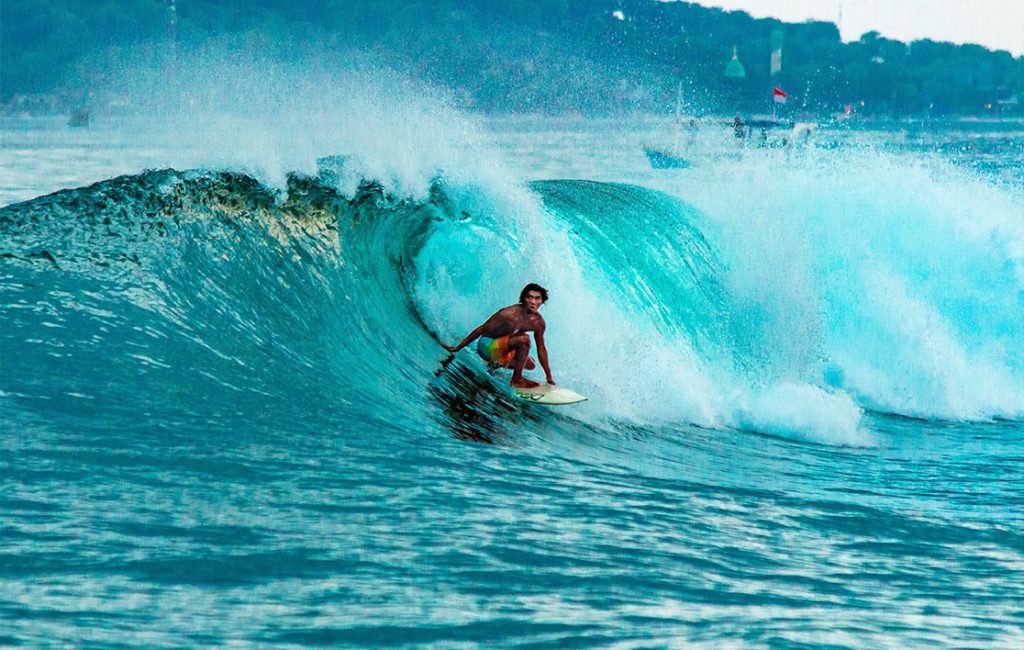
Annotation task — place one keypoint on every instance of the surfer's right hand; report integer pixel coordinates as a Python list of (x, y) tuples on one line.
[(450, 348)]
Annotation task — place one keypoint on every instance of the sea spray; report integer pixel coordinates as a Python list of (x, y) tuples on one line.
[(895, 278)]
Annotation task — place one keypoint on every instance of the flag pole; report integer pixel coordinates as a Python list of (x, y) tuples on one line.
[(775, 67)]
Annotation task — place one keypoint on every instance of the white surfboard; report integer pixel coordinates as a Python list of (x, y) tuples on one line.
[(548, 395)]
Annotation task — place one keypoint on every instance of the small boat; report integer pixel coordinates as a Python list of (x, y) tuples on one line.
[(769, 133)]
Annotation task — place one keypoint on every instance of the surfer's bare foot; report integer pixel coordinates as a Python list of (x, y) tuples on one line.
[(523, 382)]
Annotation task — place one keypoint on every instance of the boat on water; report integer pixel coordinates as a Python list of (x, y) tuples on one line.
[(755, 132), (771, 133)]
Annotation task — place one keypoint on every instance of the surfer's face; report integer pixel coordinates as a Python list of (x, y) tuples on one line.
[(533, 300)]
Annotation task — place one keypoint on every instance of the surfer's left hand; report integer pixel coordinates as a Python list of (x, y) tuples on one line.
[(551, 381)]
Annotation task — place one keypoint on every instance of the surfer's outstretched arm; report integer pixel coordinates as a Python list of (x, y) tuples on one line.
[(472, 336)]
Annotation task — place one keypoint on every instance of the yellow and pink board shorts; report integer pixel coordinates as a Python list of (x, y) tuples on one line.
[(495, 351)]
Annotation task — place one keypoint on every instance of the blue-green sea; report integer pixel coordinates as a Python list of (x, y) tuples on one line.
[(226, 419)]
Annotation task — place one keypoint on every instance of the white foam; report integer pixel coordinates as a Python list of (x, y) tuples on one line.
[(897, 278), (805, 412)]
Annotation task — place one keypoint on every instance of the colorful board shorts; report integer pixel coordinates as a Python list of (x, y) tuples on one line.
[(495, 351)]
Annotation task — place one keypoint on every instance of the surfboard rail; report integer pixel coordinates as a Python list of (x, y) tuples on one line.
[(548, 395)]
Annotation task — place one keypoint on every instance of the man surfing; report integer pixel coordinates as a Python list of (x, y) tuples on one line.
[(503, 339)]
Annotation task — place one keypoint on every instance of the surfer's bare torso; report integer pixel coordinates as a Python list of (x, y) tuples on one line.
[(512, 320)]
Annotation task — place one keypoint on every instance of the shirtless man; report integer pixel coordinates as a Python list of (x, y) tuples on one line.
[(504, 340)]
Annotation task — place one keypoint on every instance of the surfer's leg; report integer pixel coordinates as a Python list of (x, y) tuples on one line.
[(487, 350), (510, 361), (498, 354), (520, 344), (504, 355)]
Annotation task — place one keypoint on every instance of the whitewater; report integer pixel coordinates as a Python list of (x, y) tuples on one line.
[(227, 418)]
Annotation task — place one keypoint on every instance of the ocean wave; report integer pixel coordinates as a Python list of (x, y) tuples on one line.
[(213, 279)]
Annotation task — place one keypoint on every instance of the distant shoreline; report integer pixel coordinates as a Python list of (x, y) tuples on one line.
[(101, 116), (504, 56)]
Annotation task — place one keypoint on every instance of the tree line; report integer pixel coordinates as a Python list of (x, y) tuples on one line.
[(586, 56)]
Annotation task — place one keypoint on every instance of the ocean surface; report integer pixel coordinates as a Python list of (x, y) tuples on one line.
[(226, 419)]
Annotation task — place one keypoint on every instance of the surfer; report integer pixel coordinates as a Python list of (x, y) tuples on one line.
[(503, 339)]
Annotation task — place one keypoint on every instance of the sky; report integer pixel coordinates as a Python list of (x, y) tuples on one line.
[(996, 24)]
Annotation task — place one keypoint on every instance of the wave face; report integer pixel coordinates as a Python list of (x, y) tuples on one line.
[(225, 392), (211, 284)]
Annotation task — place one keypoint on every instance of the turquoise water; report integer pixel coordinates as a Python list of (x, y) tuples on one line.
[(227, 420)]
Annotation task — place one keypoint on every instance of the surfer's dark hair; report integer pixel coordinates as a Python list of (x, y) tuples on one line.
[(533, 286)]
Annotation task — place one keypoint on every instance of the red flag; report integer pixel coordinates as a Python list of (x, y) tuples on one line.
[(779, 96)]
